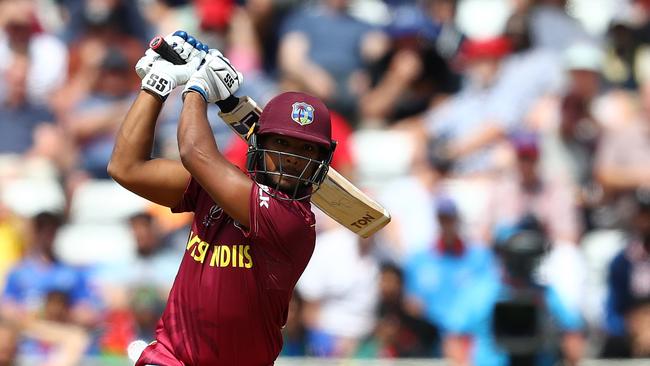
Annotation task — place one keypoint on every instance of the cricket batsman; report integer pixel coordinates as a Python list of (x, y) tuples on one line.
[(252, 234)]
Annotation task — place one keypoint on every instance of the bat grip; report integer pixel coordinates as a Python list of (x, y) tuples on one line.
[(161, 47)]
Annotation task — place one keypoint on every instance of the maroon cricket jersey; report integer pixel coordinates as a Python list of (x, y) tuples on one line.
[(230, 297)]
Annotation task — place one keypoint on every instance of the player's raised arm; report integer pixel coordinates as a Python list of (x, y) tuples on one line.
[(225, 183), (160, 180)]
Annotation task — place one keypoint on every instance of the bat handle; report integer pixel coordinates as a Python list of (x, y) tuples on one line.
[(161, 47)]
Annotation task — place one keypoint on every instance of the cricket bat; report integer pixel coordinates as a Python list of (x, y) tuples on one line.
[(337, 197)]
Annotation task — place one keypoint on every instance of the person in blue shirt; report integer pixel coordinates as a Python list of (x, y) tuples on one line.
[(454, 284), (40, 273)]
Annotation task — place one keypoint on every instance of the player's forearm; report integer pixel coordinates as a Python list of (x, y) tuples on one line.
[(135, 137), (196, 143)]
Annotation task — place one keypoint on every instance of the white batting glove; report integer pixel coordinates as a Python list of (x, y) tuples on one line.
[(216, 80), (160, 76)]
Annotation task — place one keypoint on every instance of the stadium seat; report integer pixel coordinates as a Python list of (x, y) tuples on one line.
[(86, 244), (104, 201)]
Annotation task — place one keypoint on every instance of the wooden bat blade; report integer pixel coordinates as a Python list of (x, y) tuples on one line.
[(347, 205)]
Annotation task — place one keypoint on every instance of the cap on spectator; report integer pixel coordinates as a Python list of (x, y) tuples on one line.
[(445, 206), (473, 49), (526, 145), (214, 14), (583, 56)]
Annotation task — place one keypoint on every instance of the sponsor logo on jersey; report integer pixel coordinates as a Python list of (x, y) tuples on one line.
[(214, 214), (264, 199), (302, 113)]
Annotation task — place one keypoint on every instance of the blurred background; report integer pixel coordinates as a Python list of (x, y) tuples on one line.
[(509, 139)]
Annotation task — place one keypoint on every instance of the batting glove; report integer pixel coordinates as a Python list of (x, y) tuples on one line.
[(216, 80), (160, 76)]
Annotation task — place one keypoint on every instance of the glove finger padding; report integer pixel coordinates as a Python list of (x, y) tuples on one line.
[(143, 66), (216, 80)]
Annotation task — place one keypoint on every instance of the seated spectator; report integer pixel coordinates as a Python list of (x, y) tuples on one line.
[(464, 113), (629, 290), (41, 273), (548, 196), (154, 266), (94, 120), (405, 80), (453, 283), (570, 129), (525, 76), (135, 291), (322, 52), (339, 305), (50, 300), (623, 154), (46, 56), (19, 118), (398, 333)]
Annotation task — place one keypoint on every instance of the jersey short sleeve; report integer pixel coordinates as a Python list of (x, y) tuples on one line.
[(190, 197)]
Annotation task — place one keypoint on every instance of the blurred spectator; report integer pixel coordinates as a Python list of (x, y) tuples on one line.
[(19, 118), (49, 299), (552, 27), (530, 322), (398, 333), (322, 53), (568, 145), (410, 74), (87, 16), (551, 198), (410, 200), (339, 305), (40, 273), (45, 56), (529, 191), (525, 76), (154, 265), (93, 122), (452, 283), (629, 290), (98, 37), (464, 114), (625, 150), (135, 291), (8, 344)]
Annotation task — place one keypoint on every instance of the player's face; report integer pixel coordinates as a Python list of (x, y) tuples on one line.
[(288, 164)]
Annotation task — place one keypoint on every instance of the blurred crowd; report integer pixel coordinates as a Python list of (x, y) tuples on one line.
[(515, 165)]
